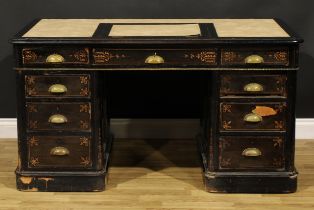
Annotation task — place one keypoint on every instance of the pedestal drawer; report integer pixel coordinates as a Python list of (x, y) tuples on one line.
[(237, 152), (58, 116), (253, 116), (57, 85), (55, 56), (252, 85), (59, 151), (258, 56)]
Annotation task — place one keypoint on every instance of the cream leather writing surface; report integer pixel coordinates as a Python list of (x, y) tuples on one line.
[(224, 27), (155, 30)]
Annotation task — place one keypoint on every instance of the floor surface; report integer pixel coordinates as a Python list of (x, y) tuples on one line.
[(155, 174)]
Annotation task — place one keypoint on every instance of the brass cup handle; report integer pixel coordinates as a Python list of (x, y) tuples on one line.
[(253, 87), (251, 152), (57, 119), (253, 118), (154, 59), (57, 89), (59, 151), (254, 59), (55, 58)]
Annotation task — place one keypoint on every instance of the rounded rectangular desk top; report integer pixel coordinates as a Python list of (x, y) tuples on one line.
[(224, 27)]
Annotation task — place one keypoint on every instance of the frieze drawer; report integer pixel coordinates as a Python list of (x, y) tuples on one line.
[(255, 57), (59, 151), (155, 57), (260, 153), (58, 116), (57, 85), (249, 85), (254, 116), (55, 56)]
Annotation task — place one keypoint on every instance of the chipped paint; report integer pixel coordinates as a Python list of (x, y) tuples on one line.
[(214, 190), (264, 111), (210, 175), (46, 179), (34, 189), (19, 162), (26, 180)]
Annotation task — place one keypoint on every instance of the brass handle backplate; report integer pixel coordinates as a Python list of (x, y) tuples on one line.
[(55, 58), (57, 89), (253, 118), (154, 59), (254, 59), (59, 151), (251, 152), (253, 87), (57, 119)]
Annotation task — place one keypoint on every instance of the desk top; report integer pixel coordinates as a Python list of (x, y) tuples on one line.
[(224, 27), (156, 31)]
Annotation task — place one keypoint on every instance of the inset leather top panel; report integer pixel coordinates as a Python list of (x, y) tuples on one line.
[(155, 30)]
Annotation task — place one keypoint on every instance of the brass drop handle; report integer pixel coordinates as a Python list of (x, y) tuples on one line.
[(154, 59), (57, 89), (254, 59), (253, 118), (55, 58), (59, 151), (253, 87), (251, 152), (57, 119)]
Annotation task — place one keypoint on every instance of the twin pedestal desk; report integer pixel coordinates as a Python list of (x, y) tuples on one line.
[(247, 130)]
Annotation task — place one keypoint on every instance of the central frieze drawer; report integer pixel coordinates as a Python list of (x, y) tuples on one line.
[(249, 85), (59, 151), (255, 116), (58, 116), (253, 152), (155, 57), (57, 85), (255, 56), (55, 56)]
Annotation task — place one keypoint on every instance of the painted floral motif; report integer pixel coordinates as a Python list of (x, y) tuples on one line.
[(32, 141), (85, 161), (84, 141), (204, 56), (34, 161)]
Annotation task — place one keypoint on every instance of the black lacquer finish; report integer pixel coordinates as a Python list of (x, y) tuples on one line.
[(246, 142)]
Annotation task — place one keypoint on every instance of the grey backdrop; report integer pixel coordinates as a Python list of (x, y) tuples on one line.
[(299, 15)]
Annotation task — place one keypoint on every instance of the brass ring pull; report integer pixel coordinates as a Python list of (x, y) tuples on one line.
[(59, 151), (55, 58), (254, 59), (57, 119), (57, 89), (253, 87), (251, 152), (253, 118), (154, 59)]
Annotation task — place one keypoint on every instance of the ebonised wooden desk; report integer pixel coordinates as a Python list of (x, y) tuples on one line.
[(246, 142)]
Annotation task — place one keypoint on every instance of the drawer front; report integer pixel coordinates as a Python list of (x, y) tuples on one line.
[(253, 85), (255, 56), (59, 151), (251, 152), (59, 116), (155, 57), (252, 116), (57, 85), (55, 56)]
